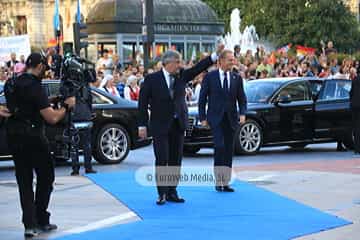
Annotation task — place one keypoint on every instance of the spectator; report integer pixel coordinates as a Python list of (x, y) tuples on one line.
[(329, 50), (108, 85), (325, 73), (11, 64), (116, 62), (264, 65), (105, 63), (237, 51), (3, 75), (131, 91), (119, 81)]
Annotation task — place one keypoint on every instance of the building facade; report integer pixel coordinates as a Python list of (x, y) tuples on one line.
[(186, 25), (35, 18)]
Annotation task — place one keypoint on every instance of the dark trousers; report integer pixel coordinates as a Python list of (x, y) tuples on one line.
[(356, 127), (223, 135), (168, 150), (32, 154), (85, 145)]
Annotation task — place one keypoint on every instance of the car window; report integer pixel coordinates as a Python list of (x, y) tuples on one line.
[(316, 86), (297, 91), (259, 91), (99, 99), (335, 89)]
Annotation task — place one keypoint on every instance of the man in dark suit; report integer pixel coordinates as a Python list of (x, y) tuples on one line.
[(164, 93), (11, 64), (355, 108), (222, 90)]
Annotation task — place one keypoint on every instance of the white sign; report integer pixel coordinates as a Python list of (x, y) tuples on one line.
[(16, 44)]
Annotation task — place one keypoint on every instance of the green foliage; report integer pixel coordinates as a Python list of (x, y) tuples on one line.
[(357, 56), (303, 22)]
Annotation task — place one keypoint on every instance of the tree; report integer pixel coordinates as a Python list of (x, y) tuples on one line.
[(303, 22)]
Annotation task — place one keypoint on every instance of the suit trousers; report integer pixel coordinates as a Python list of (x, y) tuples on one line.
[(356, 127), (223, 135), (168, 149)]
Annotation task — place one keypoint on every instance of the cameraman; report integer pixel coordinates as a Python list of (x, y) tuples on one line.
[(28, 103), (83, 114)]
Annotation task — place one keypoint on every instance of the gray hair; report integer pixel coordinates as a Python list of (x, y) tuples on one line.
[(170, 55)]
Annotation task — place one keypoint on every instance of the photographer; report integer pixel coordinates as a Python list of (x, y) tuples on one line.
[(29, 107)]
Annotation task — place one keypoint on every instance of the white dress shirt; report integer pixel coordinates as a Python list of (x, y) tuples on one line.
[(221, 72), (167, 77)]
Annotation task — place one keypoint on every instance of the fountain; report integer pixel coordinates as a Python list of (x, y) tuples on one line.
[(249, 39)]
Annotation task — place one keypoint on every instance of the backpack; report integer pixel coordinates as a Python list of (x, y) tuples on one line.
[(10, 94)]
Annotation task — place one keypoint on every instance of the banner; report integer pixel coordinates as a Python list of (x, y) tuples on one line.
[(16, 44), (303, 51)]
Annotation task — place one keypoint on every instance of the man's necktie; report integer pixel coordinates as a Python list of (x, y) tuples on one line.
[(171, 85), (225, 84)]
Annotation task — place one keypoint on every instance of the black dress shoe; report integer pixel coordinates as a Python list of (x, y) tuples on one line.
[(75, 173), (228, 189), (31, 232), (219, 188), (174, 198), (161, 200), (47, 227)]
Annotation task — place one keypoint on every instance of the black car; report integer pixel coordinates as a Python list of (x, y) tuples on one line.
[(285, 111), (114, 131)]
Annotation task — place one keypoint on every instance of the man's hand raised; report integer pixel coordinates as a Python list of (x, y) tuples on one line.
[(220, 48)]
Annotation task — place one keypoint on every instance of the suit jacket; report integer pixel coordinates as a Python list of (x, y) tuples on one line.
[(154, 92), (8, 63), (355, 94), (219, 102)]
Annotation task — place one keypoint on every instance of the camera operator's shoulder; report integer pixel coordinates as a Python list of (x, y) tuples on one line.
[(26, 79)]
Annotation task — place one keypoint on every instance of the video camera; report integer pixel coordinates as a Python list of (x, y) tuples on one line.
[(76, 74)]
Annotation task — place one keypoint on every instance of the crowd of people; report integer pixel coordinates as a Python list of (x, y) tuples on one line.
[(125, 80)]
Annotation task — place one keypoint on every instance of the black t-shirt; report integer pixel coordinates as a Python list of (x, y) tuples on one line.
[(30, 98)]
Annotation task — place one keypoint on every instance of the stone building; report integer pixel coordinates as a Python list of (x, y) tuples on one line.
[(185, 25), (35, 18)]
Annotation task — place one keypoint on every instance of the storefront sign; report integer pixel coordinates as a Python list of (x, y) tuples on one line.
[(188, 29)]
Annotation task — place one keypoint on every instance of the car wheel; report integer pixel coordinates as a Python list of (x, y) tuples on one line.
[(112, 144), (249, 138), (191, 149), (298, 145)]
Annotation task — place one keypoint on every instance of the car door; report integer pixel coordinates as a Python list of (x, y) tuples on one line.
[(332, 114), (294, 115)]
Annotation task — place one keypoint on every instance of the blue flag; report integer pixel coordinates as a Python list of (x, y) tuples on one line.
[(57, 16), (78, 12)]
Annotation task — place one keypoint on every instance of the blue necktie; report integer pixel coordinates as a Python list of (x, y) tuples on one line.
[(225, 84)]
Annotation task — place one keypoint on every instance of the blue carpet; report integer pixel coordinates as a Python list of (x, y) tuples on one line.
[(250, 213)]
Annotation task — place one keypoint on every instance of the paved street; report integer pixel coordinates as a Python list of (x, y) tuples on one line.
[(317, 176)]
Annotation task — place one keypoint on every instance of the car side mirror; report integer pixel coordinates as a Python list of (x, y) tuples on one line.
[(283, 99)]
